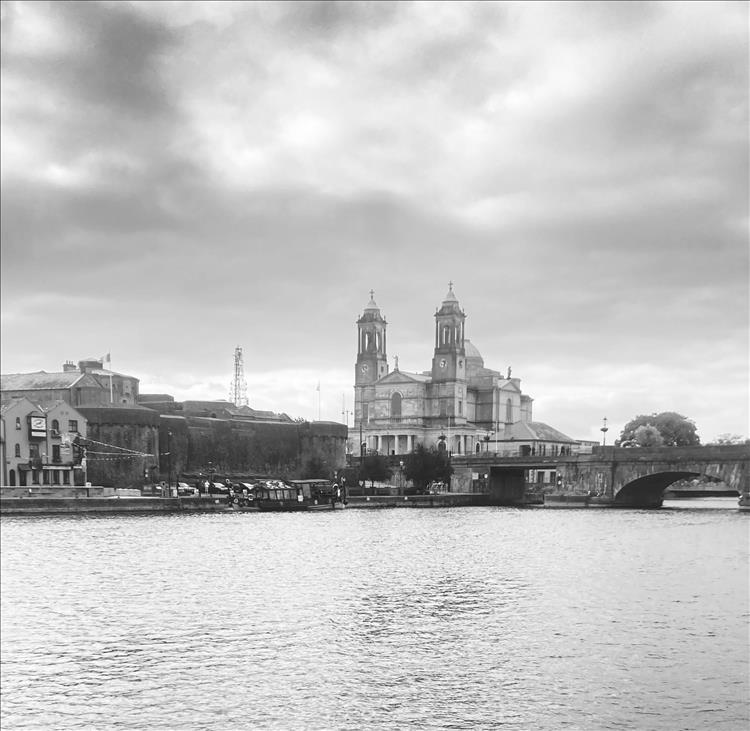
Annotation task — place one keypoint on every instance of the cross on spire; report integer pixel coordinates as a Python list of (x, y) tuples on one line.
[(450, 286), (372, 294)]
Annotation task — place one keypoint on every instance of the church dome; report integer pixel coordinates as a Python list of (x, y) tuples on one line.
[(472, 354)]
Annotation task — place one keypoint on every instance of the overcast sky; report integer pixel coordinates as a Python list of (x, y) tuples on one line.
[(182, 178)]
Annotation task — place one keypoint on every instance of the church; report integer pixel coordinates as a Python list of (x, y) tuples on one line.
[(457, 405)]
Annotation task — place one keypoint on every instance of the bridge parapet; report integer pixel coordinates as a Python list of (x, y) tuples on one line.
[(639, 476)]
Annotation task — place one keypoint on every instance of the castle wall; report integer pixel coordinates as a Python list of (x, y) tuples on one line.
[(285, 450)]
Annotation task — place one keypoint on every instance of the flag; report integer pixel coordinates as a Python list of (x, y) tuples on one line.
[(107, 358)]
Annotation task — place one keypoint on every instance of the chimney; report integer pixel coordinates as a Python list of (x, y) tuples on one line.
[(69, 366)]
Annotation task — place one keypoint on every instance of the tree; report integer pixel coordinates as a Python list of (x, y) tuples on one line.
[(675, 430), (647, 436), (730, 439), (375, 468), (424, 466)]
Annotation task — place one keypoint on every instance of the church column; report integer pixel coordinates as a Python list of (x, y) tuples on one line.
[(410, 443)]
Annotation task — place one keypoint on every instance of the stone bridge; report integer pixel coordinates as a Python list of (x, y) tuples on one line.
[(626, 477)]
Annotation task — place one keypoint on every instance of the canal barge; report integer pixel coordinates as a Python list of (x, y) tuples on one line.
[(299, 495)]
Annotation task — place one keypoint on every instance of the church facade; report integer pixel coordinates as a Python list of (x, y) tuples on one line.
[(458, 405)]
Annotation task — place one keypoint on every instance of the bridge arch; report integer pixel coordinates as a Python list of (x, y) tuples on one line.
[(648, 490)]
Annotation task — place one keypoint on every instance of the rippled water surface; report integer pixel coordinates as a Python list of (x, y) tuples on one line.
[(465, 618)]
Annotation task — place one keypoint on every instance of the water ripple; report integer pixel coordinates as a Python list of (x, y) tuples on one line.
[(432, 619)]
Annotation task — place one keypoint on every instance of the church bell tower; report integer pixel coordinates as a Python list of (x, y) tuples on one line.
[(449, 360), (372, 362)]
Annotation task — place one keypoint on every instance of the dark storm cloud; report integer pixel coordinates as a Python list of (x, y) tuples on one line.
[(107, 57), (248, 171)]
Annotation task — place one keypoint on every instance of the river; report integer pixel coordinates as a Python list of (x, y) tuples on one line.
[(463, 618)]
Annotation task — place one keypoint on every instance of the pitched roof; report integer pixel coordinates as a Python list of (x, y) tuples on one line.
[(39, 380), (537, 430), (8, 403)]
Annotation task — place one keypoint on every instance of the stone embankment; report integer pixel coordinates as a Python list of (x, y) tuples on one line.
[(44, 505)]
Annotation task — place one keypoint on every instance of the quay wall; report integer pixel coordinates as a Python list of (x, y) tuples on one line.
[(116, 504), (441, 500), (125, 505)]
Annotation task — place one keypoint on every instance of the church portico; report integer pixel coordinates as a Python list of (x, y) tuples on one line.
[(458, 404)]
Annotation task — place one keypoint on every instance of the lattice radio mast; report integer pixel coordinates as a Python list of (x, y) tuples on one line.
[(238, 389)]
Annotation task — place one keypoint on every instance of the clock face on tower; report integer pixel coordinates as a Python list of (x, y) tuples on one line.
[(443, 362), (364, 368)]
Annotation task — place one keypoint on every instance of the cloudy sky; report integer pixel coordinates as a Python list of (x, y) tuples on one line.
[(182, 178)]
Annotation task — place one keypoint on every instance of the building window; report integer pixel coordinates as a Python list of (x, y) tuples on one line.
[(73, 425), (65, 478), (55, 477), (33, 451), (12, 478), (56, 453), (34, 477), (365, 413), (396, 407), (18, 422), (460, 408), (18, 450), (508, 412), (55, 427)]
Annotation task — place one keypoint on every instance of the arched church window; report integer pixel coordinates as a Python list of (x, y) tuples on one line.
[(17, 452), (55, 426), (508, 412), (396, 406)]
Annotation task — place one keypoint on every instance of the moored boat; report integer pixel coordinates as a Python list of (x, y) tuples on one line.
[(299, 495)]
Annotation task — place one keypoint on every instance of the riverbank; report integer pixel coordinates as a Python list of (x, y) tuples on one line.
[(119, 504), (128, 504)]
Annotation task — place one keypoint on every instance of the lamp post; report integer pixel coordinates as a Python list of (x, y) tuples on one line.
[(401, 476), (169, 461), (604, 431)]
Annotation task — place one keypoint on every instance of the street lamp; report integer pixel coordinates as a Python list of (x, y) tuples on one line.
[(169, 461), (604, 431), (401, 475)]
